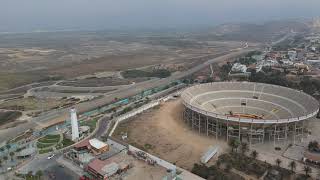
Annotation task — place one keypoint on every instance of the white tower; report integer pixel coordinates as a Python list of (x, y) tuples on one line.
[(74, 124)]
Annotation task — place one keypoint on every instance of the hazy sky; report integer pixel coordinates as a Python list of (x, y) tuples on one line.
[(29, 15)]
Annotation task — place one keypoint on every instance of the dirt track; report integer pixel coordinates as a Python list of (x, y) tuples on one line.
[(170, 139)]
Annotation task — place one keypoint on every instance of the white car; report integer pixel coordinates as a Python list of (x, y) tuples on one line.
[(51, 156)]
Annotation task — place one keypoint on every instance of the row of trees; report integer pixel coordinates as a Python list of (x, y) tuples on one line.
[(293, 165), (305, 83), (30, 175), (235, 145), (313, 146), (244, 148), (5, 158)]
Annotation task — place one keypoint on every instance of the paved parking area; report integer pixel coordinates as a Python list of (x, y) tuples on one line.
[(294, 152)]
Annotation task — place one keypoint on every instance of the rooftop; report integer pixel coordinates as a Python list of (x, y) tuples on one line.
[(97, 144), (98, 164), (84, 143)]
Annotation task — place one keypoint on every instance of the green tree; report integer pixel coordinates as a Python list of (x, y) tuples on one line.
[(307, 170), (254, 154), (5, 158), (292, 165), (313, 146), (8, 146), (11, 155), (228, 167), (39, 173), (244, 148), (234, 144), (30, 173), (278, 162), (218, 164)]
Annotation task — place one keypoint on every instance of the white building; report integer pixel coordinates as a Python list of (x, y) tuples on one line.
[(292, 55), (74, 125), (259, 67), (270, 62), (237, 67), (286, 62)]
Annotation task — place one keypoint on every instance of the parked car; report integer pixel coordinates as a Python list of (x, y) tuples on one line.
[(51, 156)]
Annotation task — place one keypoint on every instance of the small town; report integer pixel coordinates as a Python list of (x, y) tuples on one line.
[(160, 90)]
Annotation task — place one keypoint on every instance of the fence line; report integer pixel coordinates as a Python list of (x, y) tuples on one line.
[(159, 161), (133, 113)]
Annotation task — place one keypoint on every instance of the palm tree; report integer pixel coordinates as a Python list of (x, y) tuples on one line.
[(5, 158), (254, 154), (244, 148), (292, 165), (228, 167), (8, 146), (307, 170), (11, 155), (30, 173), (278, 162), (218, 164), (313, 146), (234, 144)]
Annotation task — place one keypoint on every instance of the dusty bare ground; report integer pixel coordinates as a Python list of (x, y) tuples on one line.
[(140, 169), (162, 132)]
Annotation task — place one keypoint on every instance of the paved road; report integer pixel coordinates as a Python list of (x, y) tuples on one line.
[(102, 126), (137, 88), (40, 162), (51, 166)]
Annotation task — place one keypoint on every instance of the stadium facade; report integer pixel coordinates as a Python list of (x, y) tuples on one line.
[(253, 112)]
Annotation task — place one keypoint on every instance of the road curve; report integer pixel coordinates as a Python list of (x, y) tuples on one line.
[(139, 87), (58, 115)]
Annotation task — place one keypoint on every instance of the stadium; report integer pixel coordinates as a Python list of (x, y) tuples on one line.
[(252, 112)]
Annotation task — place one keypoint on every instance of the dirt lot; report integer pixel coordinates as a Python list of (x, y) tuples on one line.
[(162, 132), (26, 104), (8, 116), (142, 170)]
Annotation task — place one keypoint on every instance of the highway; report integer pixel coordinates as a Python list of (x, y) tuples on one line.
[(139, 87), (59, 115)]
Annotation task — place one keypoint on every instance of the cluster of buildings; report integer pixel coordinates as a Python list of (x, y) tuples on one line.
[(294, 61), (99, 160), (110, 159), (302, 60), (93, 155)]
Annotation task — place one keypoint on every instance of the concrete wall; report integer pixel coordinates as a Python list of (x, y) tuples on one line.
[(159, 161), (133, 113)]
